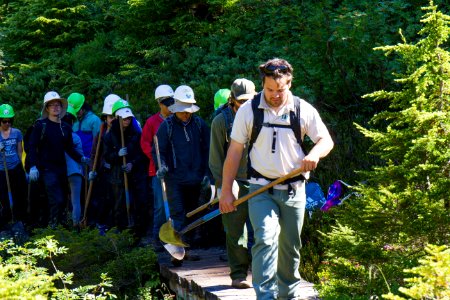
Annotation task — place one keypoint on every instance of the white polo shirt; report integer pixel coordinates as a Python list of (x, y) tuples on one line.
[(287, 154)]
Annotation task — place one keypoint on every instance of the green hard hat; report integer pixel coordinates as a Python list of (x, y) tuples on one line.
[(120, 104), (6, 111), (75, 102), (221, 97)]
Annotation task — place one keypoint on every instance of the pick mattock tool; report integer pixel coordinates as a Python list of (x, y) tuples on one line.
[(11, 203), (175, 238), (83, 222), (125, 176), (167, 230)]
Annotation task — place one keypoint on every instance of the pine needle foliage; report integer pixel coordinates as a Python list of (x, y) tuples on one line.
[(403, 203)]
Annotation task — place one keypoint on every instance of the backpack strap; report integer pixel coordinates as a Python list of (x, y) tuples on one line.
[(228, 116), (169, 121), (258, 123), (44, 126)]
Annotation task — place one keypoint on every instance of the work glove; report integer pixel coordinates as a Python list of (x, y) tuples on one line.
[(85, 160), (123, 151), (206, 184), (106, 165), (92, 175), (162, 172), (127, 168), (34, 174)]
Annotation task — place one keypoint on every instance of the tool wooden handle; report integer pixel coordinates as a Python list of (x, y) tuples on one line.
[(94, 168), (125, 176), (163, 184), (202, 207), (124, 159), (268, 186), (217, 212)]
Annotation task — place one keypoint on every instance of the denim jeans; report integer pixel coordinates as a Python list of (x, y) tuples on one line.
[(236, 240), (159, 215), (55, 187), (75, 182), (277, 220), (182, 198)]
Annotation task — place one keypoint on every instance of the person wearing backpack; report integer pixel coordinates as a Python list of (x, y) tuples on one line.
[(49, 141), (10, 154), (234, 223), (164, 96), (270, 125), (184, 147)]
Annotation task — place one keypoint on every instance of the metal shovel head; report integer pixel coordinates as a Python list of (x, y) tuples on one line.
[(169, 236), (175, 251)]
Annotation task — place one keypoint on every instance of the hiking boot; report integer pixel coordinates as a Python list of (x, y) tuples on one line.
[(241, 283)]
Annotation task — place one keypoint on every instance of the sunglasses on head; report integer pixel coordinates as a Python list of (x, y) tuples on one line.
[(6, 121), (270, 69)]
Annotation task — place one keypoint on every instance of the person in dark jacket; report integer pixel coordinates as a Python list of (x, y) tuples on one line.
[(101, 206), (135, 169), (184, 149), (49, 141)]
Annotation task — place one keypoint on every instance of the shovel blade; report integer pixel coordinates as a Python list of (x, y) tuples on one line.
[(176, 252), (168, 235)]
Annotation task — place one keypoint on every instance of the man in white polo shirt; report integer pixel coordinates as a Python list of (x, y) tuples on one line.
[(277, 214)]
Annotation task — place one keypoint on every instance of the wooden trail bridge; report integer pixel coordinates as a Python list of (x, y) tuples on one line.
[(208, 278)]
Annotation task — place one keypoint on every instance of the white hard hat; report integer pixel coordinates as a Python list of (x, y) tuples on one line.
[(179, 106), (124, 113), (108, 103), (51, 96), (185, 94), (163, 91)]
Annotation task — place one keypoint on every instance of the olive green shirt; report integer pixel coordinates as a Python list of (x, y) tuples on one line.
[(217, 150)]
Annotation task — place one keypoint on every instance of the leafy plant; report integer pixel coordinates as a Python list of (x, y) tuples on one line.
[(433, 276), (89, 255), (404, 200), (22, 278)]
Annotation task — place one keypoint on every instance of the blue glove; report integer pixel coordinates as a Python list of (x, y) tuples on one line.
[(206, 184), (162, 172), (92, 175), (34, 174), (106, 165), (123, 151), (127, 168), (85, 160)]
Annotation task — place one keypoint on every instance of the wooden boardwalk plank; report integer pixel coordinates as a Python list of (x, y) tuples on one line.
[(208, 278)]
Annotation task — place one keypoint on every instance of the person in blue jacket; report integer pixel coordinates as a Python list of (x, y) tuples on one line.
[(87, 125), (184, 149)]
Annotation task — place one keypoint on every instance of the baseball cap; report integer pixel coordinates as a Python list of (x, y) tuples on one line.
[(243, 89)]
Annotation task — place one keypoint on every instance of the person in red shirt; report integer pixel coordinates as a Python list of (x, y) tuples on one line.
[(164, 95)]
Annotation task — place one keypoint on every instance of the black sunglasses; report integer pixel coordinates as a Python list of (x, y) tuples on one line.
[(270, 69), (6, 121)]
